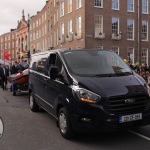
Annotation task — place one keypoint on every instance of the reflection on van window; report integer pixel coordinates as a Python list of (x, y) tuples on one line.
[(96, 63)]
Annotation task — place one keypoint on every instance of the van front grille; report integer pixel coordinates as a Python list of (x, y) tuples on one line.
[(122, 104)]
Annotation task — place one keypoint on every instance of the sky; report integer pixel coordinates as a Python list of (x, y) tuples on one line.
[(11, 12)]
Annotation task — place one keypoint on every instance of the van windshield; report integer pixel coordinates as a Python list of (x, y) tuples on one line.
[(95, 63)]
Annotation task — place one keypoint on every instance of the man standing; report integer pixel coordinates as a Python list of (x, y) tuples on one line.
[(14, 68), (4, 73)]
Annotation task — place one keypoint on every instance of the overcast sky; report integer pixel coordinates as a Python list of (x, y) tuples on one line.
[(11, 12)]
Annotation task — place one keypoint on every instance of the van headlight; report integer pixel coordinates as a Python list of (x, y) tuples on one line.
[(86, 95)]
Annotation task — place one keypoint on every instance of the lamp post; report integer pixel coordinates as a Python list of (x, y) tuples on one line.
[(28, 54)]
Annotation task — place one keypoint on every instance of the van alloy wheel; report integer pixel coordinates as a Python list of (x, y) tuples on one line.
[(33, 105), (64, 124)]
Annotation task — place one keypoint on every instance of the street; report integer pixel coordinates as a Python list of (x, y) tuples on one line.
[(25, 130)]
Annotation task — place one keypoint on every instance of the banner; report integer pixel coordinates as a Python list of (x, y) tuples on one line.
[(6, 55)]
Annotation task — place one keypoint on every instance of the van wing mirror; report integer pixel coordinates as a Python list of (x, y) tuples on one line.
[(53, 72)]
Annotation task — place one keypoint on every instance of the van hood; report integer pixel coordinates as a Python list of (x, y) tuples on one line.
[(113, 86)]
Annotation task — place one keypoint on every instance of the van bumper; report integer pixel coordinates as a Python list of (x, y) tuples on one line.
[(105, 124)]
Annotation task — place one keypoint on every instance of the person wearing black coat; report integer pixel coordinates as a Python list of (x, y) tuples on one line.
[(4, 73), (14, 68)]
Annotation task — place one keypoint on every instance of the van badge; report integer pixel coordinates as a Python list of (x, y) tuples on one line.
[(130, 101)]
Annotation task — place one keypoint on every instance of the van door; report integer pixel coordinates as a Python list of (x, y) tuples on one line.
[(39, 86), (55, 88)]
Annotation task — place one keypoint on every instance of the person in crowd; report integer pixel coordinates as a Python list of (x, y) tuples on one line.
[(4, 73), (143, 71), (130, 64), (136, 67), (14, 68), (23, 65)]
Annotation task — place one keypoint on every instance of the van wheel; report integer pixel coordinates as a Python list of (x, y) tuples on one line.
[(64, 124), (33, 105)]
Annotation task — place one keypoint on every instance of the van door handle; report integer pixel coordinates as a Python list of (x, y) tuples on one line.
[(45, 79)]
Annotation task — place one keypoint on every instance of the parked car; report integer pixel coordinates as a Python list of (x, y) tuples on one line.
[(88, 91)]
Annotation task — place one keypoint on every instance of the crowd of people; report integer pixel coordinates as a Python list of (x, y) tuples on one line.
[(142, 69), (5, 71)]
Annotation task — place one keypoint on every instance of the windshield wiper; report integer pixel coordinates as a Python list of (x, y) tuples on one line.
[(105, 75), (123, 74)]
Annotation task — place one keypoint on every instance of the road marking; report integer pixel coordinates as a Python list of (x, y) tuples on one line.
[(1, 128), (140, 135)]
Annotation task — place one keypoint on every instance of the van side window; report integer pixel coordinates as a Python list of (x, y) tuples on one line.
[(55, 60), (41, 63)]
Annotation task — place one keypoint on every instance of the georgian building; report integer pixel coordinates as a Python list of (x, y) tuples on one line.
[(118, 25), (22, 38), (8, 42)]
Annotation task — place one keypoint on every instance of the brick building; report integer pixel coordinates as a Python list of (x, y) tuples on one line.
[(118, 25), (22, 35), (8, 42)]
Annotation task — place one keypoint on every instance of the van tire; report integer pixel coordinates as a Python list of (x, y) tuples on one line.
[(32, 103), (64, 124)]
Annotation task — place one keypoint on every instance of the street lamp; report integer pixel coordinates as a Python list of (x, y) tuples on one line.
[(28, 54)]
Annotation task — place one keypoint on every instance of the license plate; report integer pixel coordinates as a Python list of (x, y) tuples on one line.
[(129, 118)]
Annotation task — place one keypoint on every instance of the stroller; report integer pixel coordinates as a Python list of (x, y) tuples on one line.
[(19, 81)]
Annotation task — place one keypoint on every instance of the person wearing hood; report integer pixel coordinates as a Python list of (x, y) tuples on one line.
[(4, 73)]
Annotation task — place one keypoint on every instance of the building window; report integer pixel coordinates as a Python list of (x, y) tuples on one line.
[(9, 45), (30, 37), (115, 49), (69, 6), (130, 29), (78, 25), (5, 46), (115, 4), (98, 47), (70, 27), (62, 32), (45, 15), (130, 54), (13, 45), (54, 19), (98, 24), (130, 4), (62, 9), (99, 3), (37, 23), (145, 30), (144, 55), (115, 26), (79, 4), (37, 34), (145, 6), (42, 18)]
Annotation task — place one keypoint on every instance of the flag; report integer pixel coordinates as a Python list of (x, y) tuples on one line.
[(6, 55)]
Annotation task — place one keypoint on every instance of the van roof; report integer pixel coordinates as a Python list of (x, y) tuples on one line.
[(66, 49)]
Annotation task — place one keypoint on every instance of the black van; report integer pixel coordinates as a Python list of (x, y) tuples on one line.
[(88, 90)]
